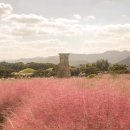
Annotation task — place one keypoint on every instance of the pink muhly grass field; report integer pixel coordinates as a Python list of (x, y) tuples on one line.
[(66, 104)]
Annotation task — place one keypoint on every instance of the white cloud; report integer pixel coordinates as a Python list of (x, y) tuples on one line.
[(108, 37), (91, 18), (25, 18), (41, 44), (124, 15), (24, 25), (5, 9), (30, 35), (77, 16), (23, 31), (14, 49), (66, 21)]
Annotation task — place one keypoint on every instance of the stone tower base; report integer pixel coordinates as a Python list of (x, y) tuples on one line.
[(63, 67)]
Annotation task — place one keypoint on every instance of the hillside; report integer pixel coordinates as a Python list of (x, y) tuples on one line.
[(126, 62), (76, 59)]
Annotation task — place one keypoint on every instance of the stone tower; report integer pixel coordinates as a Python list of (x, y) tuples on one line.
[(63, 67)]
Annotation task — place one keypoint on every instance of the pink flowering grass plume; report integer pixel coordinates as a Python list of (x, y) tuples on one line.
[(71, 104)]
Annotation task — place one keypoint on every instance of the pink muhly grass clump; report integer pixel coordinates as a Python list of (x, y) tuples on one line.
[(71, 104)]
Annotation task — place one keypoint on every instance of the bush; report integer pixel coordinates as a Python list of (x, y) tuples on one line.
[(92, 75), (45, 73), (120, 69), (89, 69), (102, 65), (74, 71)]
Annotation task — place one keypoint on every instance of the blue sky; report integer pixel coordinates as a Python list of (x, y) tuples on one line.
[(31, 28)]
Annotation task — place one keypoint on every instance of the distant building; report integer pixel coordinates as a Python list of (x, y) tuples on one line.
[(63, 67)]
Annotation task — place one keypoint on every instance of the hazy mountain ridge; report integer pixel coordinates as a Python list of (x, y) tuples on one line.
[(126, 61), (76, 59)]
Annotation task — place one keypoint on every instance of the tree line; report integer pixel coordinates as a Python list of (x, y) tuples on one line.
[(32, 69)]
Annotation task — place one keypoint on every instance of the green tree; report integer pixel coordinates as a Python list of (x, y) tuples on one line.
[(117, 68), (5, 73), (88, 69), (102, 65), (74, 71)]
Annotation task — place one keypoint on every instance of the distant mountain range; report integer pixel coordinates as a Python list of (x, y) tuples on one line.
[(126, 62), (122, 57)]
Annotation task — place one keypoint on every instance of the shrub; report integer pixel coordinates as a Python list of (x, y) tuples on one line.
[(92, 75), (117, 68)]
